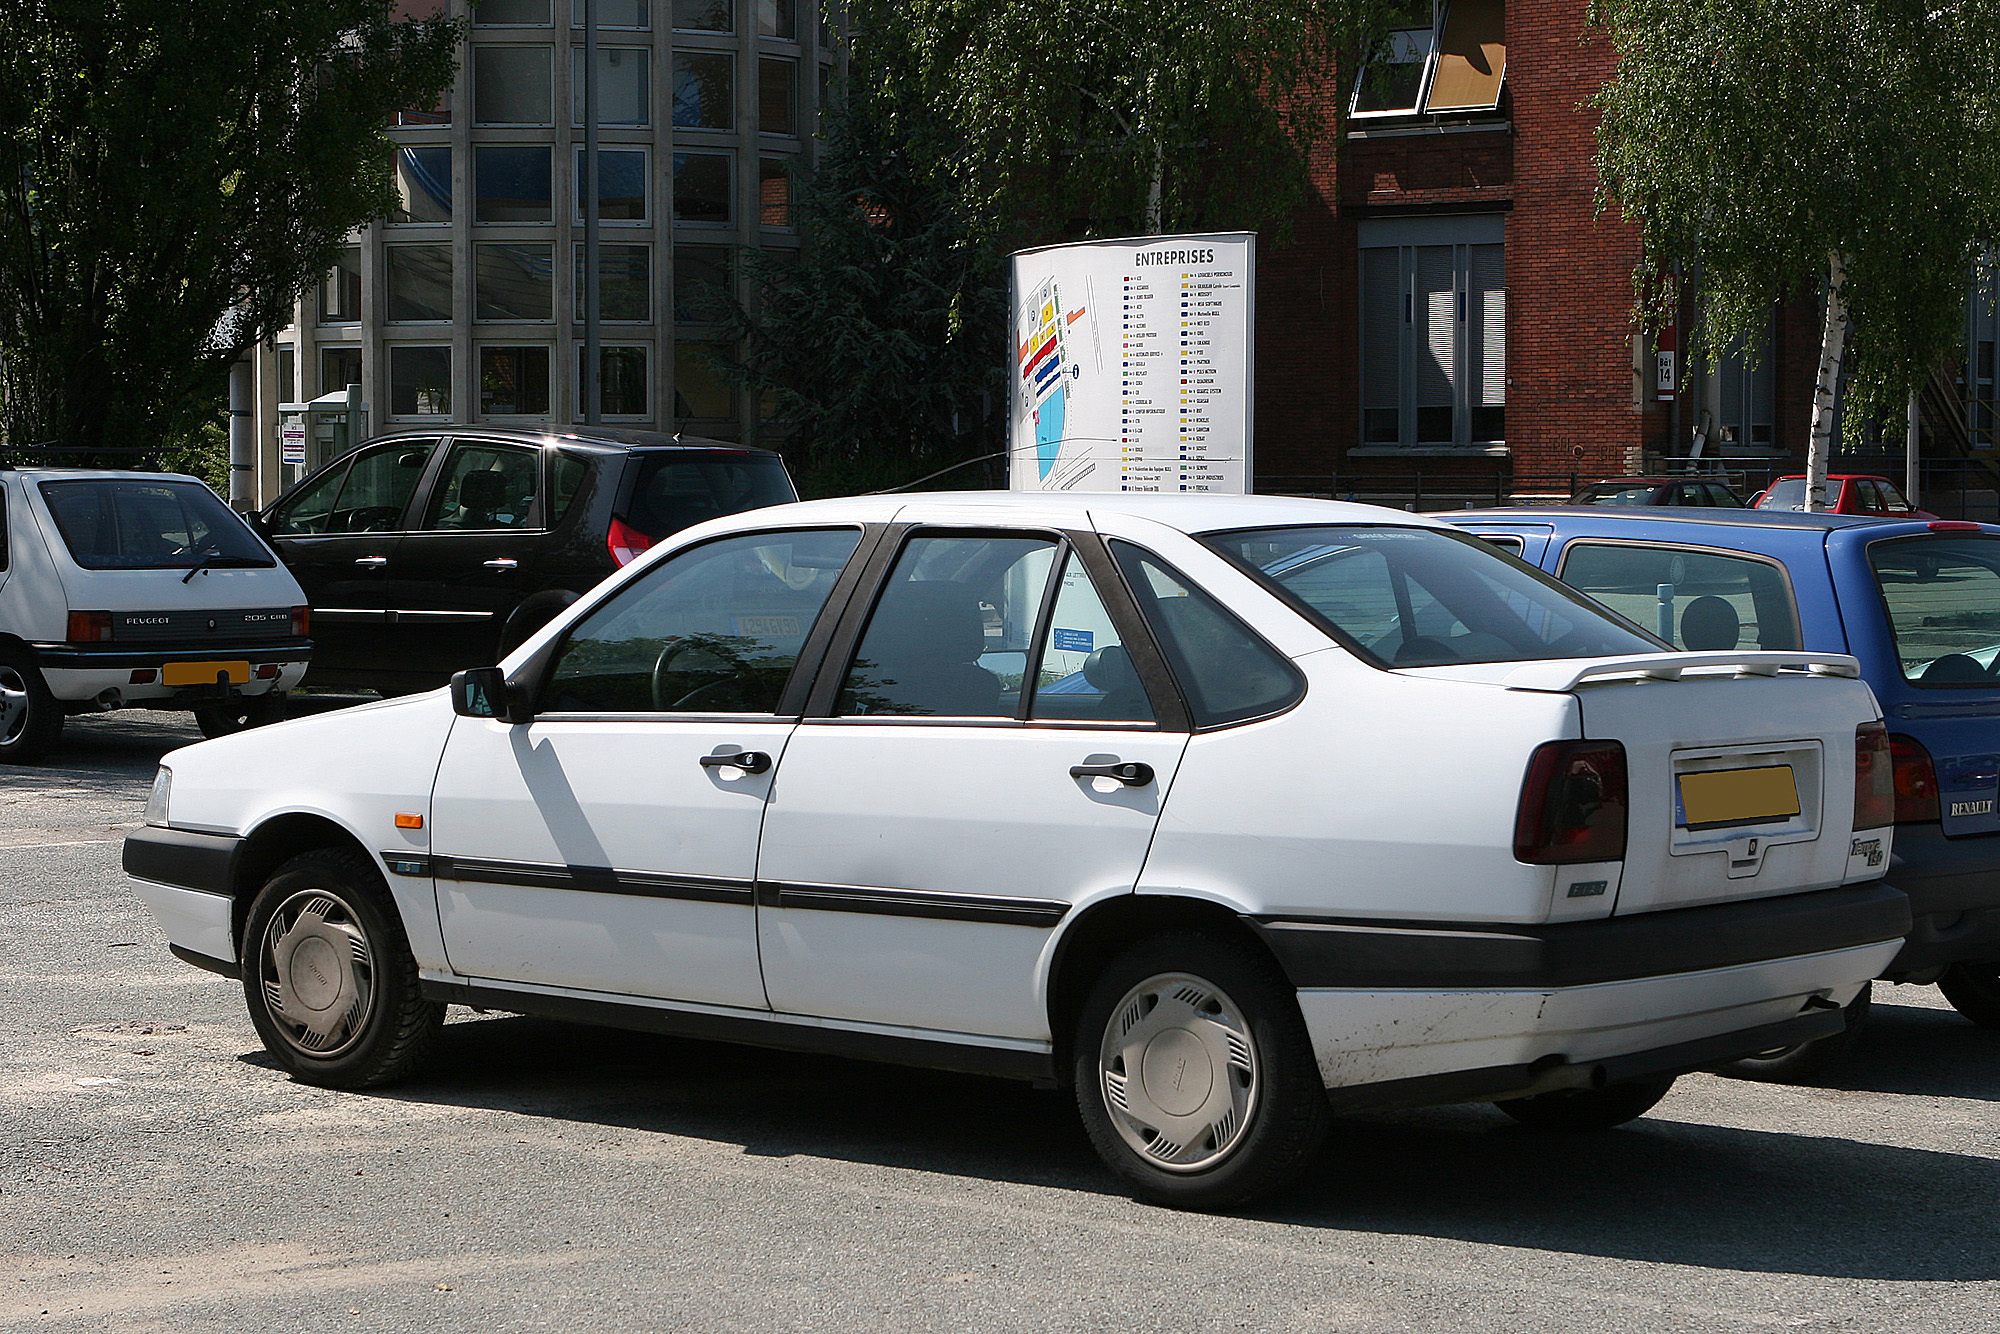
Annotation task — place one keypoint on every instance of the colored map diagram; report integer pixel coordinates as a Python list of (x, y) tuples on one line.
[(1046, 371)]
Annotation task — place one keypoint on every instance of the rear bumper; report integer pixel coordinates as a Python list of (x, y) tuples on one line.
[(1954, 889), (84, 671)]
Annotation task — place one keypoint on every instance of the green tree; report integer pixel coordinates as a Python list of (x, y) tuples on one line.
[(1775, 146), (884, 343), (173, 174), (1129, 115)]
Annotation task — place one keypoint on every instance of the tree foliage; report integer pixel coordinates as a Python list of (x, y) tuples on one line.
[(1123, 116), (1770, 144), (884, 343), (173, 175)]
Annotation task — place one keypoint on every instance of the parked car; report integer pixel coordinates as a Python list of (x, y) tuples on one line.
[(1354, 804), (425, 551), (1916, 603), (1705, 492), (137, 589), (1847, 493)]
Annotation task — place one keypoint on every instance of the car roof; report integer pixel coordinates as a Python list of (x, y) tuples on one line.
[(1651, 481), (606, 437), (1835, 477), (1675, 514), (98, 474), (1189, 514)]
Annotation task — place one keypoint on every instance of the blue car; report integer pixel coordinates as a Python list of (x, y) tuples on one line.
[(1918, 602)]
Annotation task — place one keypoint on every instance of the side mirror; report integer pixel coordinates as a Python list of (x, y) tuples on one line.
[(484, 692)]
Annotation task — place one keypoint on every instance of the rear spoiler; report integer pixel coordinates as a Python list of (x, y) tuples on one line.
[(1562, 675)]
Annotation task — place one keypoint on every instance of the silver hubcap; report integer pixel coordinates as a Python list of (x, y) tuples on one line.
[(1179, 1072), (319, 973), (13, 705)]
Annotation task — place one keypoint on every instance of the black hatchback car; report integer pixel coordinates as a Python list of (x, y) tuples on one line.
[(427, 551)]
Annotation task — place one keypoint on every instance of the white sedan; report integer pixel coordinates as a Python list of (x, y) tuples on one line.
[(1229, 813)]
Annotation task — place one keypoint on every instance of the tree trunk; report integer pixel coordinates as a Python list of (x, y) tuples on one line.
[(1832, 346)]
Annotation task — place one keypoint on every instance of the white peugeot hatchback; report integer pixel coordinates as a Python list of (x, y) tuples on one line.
[(1228, 812)]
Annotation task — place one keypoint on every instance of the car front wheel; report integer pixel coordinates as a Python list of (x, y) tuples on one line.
[(1194, 1073), (328, 974)]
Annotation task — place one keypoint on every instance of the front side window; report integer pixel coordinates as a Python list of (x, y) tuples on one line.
[(714, 630), (1702, 601), (1420, 597), (127, 524), (1943, 600), (367, 495), (486, 487)]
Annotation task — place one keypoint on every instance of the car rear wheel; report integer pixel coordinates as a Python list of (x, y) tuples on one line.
[(328, 974), (240, 713), (30, 718), (1974, 991), (1806, 1060), (1579, 1111), (1194, 1073)]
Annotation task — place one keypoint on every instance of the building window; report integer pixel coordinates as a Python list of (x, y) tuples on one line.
[(623, 373), (614, 14), (778, 18), (704, 16), (624, 291), (1981, 334), (511, 13), (701, 282), (778, 96), (511, 85), (437, 115), (512, 184), (622, 84), (514, 381), (339, 367), (340, 290), (419, 283), (419, 380), (701, 390), (621, 184), (774, 192), (704, 91), (287, 371), (514, 282), (701, 187), (1434, 341), (1746, 390), (1446, 56), (423, 185)]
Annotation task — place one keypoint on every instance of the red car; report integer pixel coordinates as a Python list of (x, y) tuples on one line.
[(1847, 493)]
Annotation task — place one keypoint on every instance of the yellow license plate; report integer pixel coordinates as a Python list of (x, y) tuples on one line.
[(204, 673), (1720, 797)]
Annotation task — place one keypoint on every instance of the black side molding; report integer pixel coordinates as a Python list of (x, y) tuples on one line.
[(1453, 955), (221, 967), (928, 1053), (183, 858)]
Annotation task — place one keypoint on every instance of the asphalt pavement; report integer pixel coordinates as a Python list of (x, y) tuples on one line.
[(157, 1172)]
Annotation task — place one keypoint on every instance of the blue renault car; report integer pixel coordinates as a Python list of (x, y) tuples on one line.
[(1918, 602)]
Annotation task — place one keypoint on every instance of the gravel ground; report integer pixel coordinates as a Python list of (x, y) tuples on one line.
[(158, 1173)]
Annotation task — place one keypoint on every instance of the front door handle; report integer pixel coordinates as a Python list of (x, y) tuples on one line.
[(1131, 773), (502, 563), (371, 562), (749, 761)]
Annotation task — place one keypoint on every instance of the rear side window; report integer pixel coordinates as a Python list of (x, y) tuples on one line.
[(130, 524), (486, 487), (1227, 673), (1703, 601), (1785, 494), (676, 491), (1943, 600)]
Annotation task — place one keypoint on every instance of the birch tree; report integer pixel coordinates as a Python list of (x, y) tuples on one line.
[(1847, 147)]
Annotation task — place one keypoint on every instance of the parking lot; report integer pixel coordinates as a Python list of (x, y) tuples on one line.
[(160, 1173)]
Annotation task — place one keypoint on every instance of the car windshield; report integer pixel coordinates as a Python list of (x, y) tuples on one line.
[(676, 491), (129, 523), (1421, 597), (1943, 598)]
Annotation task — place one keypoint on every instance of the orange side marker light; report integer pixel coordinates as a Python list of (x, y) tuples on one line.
[(409, 821)]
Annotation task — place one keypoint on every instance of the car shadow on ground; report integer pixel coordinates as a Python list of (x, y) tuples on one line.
[(1658, 1190)]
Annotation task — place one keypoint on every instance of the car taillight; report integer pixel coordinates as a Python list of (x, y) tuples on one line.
[(1572, 804), (302, 619), (89, 627), (625, 541), (1916, 781), (1874, 778)]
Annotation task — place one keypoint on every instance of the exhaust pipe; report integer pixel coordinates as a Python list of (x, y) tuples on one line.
[(109, 698)]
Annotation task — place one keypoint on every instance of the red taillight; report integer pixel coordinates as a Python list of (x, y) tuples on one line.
[(1874, 778), (625, 541), (89, 627), (1916, 781), (1573, 804), (302, 619)]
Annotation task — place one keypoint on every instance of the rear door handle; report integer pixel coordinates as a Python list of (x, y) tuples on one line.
[(1131, 773), (749, 761), (371, 562), (502, 563)]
